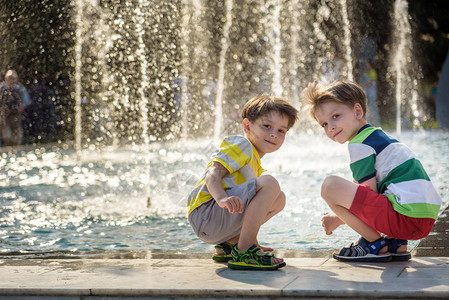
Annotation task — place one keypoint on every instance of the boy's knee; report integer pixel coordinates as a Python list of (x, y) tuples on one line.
[(268, 181), (281, 200), (327, 186)]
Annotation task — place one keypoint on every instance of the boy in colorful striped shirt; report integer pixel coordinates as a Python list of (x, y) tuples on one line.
[(391, 200), (233, 199)]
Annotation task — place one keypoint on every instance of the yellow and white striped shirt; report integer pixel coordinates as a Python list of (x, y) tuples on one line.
[(239, 157)]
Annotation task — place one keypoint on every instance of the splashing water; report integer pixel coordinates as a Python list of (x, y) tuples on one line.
[(273, 9), (151, 78), (406, 82), (78, 57), (221, 72), (347, 39), (144, 82)]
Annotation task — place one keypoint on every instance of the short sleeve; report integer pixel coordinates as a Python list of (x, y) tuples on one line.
[(234, 153)]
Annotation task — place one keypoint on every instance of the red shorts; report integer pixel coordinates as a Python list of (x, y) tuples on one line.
[(376, 210)]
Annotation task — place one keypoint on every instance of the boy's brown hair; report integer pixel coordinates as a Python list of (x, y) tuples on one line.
[(263, 105), (342, 91)]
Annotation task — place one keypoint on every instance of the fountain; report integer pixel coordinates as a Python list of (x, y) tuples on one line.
[(197, 65), (78, 60), (403, 32), (218, 109), (200, 65), (347, 39), (154, 86)]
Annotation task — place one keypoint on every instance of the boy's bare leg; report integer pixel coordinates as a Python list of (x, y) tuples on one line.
[(260, 210), (402, 249), (234, 240), (277, 206), (339, 194)]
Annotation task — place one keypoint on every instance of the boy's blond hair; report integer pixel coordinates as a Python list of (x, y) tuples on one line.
[(263, 105), (342, 91)]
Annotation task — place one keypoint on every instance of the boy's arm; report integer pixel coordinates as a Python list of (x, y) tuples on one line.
[(372, 183), (214, 185)]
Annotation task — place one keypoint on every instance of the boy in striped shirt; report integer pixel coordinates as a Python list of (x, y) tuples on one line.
[(391, 200), (233, 199)]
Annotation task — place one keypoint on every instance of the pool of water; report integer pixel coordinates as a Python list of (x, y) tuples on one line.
[(52, 199)]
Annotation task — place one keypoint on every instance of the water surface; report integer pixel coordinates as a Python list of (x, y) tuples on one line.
[(134, 198)]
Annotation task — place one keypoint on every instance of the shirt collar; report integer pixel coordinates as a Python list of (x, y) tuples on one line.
[(364, 127)]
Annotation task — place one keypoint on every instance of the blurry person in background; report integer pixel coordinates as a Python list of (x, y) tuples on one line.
[(13, 99)]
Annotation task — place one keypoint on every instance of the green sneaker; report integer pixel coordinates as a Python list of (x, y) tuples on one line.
[(252, 259), (226, 248)]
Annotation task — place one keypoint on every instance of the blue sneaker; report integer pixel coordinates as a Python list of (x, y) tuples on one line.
[(393, 245), (226, 248), (364, 251)]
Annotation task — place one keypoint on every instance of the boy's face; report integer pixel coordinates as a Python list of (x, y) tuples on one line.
[(340, 122), (267, 133)]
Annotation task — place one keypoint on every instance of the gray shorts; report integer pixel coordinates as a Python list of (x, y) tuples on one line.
[(215, 225)]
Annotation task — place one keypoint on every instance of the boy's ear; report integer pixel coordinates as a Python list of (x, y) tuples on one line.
[(246, 125), (358, 111)]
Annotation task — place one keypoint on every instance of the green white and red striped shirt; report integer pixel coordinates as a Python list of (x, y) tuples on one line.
[(399, 174)]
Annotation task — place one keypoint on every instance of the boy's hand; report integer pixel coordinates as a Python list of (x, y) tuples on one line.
[(330, 222), (234, 204)]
